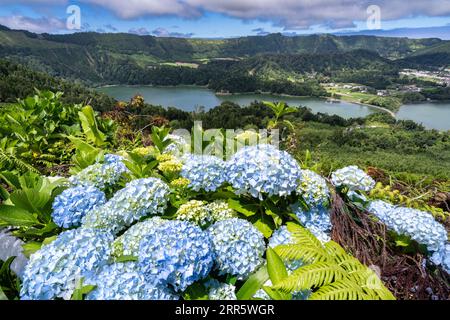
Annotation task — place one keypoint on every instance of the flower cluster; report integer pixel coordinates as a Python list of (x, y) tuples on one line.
[(56, 268), (124, 281), (442, 257), (101, 175), (203, 214), (220, 210), (169, 165), (317, 220), (177, 253), (195, 211), (263, 169), (419, 225), (313, 188), (70, 207), (238, 247), (204, 172), (139, 198), (220, 291), (128, 243), (353, 178), (180, 183)]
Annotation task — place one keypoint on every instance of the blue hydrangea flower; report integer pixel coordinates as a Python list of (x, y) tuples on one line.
[(101, 175), (56, 268), (419, 225), (238, 247), (282, 236), (220, 291), (317, 220), (263, 170), (441, 257), (177, 253), (70, 207), (204, 172), (313, 188), (353, 178), (124, 281), (139, 198), (128, 243)]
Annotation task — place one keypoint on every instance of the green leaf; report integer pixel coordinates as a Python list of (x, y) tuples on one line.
[(31, 247), (275, 267), (196, 291), (90, 127), (17, 217), (126, 258), (253, 284), (2, 295), (247, 210), (277, 272), (81, 290), (264, 224)]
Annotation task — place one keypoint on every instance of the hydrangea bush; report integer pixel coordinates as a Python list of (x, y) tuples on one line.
[(353, 178), (176, 254), (128, 243), (101, 175), (70, 207), (124, 281), (139, 198), (203, 172), (313, 189), (238, 247), (263, 170), (54, 271), (198, 220), (419, 225)]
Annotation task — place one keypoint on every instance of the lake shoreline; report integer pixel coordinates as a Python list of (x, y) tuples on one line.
[(221, 94)]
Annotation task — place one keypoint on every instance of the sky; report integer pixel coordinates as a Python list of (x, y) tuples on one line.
[(225, 18)]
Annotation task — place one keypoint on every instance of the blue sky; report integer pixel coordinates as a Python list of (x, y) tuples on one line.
[(222, 18)]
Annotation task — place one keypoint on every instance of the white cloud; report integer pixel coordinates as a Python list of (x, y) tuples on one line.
[(37, 25), (291, 14)]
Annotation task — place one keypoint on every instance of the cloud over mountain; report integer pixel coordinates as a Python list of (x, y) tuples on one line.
[(290, 14)]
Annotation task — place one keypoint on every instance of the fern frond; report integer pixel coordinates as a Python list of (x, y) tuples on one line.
[(336, 251), (303, 236), (10, 159), (340, 290), (310, 276), (305, 253), (371, 284)]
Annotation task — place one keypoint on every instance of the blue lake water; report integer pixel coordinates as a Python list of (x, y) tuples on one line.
[(433, 115)]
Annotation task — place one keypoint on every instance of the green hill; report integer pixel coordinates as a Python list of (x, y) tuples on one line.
[(436, 56), (17, 81), (99, 58)]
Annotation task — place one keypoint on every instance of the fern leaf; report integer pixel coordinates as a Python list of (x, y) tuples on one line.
[(303, 236), (310, 276), (305, 253), (339, 290)]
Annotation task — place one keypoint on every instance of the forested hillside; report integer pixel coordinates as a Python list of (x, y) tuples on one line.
[(97, 58)]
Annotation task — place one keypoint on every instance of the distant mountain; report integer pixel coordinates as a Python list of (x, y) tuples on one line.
[(99, 58), (442, 33), (437, 56)]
